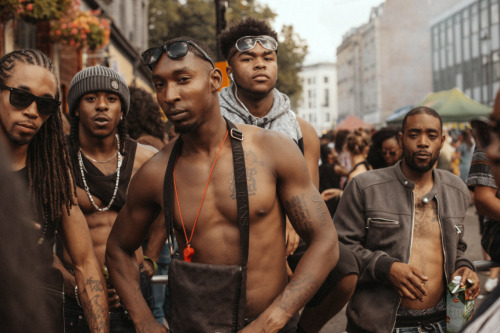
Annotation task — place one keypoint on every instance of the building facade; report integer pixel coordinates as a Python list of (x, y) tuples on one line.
[(122, 52), (466, 49), (385, 64), (318, 103)]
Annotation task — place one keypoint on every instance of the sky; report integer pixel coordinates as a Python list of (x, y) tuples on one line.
[(322, 23)]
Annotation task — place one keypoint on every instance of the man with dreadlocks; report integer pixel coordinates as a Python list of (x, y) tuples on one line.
[(104, 160), (31, 127)]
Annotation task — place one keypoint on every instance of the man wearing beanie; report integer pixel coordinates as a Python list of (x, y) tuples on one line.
[(104, 160)]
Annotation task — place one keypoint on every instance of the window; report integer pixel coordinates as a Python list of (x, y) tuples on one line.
[(327, 98), (325, 79)]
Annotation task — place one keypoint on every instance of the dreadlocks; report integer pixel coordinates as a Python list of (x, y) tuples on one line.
[(48, 164)]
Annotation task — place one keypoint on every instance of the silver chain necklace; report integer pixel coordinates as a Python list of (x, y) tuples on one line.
[(80, 162), (96, 161)]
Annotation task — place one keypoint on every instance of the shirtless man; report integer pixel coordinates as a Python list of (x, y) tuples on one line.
[(405, 223), (31, 129), (251, 50), (99, 99), (186, 84)]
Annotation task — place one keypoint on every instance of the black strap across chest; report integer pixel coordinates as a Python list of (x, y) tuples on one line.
[(240, 183)]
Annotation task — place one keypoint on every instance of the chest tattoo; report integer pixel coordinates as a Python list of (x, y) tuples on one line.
[(252, 163)]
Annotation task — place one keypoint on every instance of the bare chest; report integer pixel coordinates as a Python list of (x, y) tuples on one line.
[(426, 220)]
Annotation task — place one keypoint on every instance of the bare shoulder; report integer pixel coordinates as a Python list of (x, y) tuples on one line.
[(306, 128)]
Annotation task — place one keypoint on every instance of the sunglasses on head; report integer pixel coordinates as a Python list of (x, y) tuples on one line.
[(21, 99), (175, 50), (484, 128), (248, 42)]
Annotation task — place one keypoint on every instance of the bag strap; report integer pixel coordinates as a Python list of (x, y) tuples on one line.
[(240, 179)]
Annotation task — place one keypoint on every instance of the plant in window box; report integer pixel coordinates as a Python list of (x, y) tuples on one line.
[(34, 11), (81, 29)]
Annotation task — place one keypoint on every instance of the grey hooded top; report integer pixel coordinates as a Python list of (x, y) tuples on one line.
[(280, 118)]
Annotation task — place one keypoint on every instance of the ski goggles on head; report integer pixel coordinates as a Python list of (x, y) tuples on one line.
[(175, 50), (248, 42), (21, 99)]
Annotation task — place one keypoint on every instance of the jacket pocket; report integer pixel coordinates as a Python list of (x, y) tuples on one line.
[(380, 222)]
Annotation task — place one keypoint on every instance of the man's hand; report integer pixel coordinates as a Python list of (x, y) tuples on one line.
[(113, 299), (148, 266), (292, 239), (467, 273), (331, 193), (152, 326), (408, 281)]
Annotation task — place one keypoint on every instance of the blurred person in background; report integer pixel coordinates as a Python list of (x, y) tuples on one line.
[(330, 172), (486, 317), (482, 183), (145, 119), (464, 153), (384, 150), (446, 154), (342, 153), (357, 144), (22, 298)]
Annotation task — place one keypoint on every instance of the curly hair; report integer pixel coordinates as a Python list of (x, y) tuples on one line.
[(48, 164), (375, 157), (145, 116), (246, 27)]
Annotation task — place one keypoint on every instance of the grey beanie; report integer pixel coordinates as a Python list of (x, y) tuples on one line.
[(97, 78)]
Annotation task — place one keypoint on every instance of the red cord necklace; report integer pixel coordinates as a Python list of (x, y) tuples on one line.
[(189, 251)]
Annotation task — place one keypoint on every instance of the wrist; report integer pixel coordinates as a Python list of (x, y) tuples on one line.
[(152, 262)]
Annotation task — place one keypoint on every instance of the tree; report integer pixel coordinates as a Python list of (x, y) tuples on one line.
[(196, 19)]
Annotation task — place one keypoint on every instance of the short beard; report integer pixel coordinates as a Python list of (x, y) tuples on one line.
[(18, 141), (409, 160)]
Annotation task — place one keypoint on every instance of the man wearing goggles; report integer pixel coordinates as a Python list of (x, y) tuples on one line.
[(250, 48)]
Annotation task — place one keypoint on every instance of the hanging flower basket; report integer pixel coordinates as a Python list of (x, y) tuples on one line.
[(81, 29), (33, 11)]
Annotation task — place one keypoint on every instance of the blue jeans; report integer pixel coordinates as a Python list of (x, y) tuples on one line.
[(438, 327)]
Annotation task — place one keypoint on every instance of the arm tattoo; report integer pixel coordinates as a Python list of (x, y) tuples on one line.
[(299, 214), (93, 310), (321, 211), (252, 163), (296, 291)]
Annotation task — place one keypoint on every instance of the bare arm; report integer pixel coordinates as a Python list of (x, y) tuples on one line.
[(310, 217), (89, 278), (311, 149), (127, 235), (156, 241), (486, 201)]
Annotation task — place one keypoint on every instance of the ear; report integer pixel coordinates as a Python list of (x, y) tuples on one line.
[(229, 71), (215, 79), (400, 139), (77, 113)]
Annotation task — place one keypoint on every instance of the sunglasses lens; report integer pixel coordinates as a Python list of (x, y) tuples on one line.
[(245, 44), (47, 106), (177, 50), (21, 99)]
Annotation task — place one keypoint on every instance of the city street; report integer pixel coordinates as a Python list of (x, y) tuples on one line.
[(338, 323)]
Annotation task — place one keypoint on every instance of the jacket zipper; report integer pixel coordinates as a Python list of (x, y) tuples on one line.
[(409, 254), (442, 240)]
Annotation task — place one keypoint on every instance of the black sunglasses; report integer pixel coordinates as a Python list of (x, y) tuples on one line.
[(176, 50), (21, 99), (484, 129), (390, 152)]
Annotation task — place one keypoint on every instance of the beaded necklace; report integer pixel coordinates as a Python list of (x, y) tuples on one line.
[(80, 162)]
